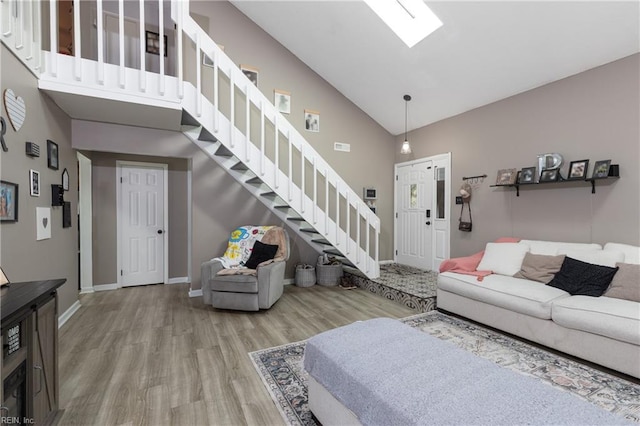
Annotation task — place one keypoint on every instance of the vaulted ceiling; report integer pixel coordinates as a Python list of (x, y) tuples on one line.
[(484, 52)]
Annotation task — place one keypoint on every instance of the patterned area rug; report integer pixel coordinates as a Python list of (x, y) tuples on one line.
[(281, 369), (411, 287)]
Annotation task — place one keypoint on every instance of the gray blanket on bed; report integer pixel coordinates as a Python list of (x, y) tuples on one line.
[(388, 373)]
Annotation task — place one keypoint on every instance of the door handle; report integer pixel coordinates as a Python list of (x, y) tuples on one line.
[(38, 367), (160, 231), (428, 222)]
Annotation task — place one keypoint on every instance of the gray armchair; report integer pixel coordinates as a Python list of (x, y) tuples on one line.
[(247, 291)]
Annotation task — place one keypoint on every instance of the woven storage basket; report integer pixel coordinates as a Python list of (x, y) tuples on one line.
[(305, 275), (328, 275)]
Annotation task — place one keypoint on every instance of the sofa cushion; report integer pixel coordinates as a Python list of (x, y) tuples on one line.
[(614, 318), (522, 296), (626, 283), (581, 278), (502, 258), (540, 268), (597, 257), (631, 253), (552, 248)]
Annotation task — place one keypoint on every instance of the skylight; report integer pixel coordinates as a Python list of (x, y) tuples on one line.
[(411, 20)]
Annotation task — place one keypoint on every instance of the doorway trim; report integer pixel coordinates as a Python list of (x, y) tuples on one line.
[(446, 157), (120, 164), (85, 223)]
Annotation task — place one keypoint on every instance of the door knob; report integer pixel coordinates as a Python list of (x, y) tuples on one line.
[(159, 231), (428, 222)]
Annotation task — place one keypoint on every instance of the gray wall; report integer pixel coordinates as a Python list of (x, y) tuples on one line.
[(220, 204), (21, 256), (593, 115)]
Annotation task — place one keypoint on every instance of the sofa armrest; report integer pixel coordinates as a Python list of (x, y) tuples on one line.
[(208, 270), (270, 283)]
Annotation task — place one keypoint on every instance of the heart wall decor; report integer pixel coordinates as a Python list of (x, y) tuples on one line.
[(16, 109), (43, 220)]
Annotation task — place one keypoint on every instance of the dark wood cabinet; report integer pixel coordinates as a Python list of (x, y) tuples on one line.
[(29, 362), (44, 351)]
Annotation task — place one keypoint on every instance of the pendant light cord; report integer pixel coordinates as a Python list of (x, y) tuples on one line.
[(406, 98)]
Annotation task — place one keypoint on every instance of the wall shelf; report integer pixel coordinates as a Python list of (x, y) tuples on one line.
[(592, 181)]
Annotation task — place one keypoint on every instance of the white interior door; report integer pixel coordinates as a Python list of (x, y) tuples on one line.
[(112, 41), (142, 223), (422, 205), (414, 183)]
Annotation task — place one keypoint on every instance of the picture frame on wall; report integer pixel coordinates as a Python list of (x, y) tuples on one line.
[(549, 175), (251, 73), (578, 170), (34, 183), (152, 44), (52, 155), (8, 201), (312, 120), (282, 101), (3, 278), (601, 169)]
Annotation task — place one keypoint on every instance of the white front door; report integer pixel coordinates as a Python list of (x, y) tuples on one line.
[(422, 205), (141, 223), (413, 190)]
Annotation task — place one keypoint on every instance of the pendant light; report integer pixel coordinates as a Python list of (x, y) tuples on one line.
[(406, 148)]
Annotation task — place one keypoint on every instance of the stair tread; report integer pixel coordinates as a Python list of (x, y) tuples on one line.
[(296, 219), (333, 252), (322, 241), (222, 151), (205, 135), (188, 120), (282, 207), (309, 230), (239, 166)]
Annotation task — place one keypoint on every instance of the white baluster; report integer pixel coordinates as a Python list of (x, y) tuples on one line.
[(290, 166), (77, 47), (315, 191), (302, 177), (121, 41), (358, 247), (100, 46), (276, 175), (337, 212), (30, 24), (348, 239), (247, 111), (326, 202), (216, 95), (368, 251), (198, 76), (262, 153), (143, 56), (53, 32), (163, 47), (180, 60), (232, 113), (19, 20)]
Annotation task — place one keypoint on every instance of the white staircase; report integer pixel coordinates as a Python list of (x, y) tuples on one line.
[(238, 127)]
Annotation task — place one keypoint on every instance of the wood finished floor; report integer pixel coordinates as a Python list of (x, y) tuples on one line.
[(153, 356)]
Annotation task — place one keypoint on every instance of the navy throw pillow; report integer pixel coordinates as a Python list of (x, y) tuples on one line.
[(581, 278), (260, 253)]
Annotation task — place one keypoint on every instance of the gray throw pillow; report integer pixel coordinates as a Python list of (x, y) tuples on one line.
[(539, 267), (626, 283)]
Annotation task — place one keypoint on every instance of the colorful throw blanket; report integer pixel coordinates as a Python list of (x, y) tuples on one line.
[(240, 245), (467, 265)]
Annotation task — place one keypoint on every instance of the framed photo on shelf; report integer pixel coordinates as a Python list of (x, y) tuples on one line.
[(601, 169), (578, 170), (506, 177), (528, 175), (52, 155), (549, 175), (8, 201), (34, 180)]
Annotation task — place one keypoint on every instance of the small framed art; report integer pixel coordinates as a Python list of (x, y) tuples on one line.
[(153, 43), (601, 169), (52, 155), (282, 101), (34, 180), (507, 177), (8, 201), (578, 170), (528, 175), (311, 120), (549, 175), (251, 73)]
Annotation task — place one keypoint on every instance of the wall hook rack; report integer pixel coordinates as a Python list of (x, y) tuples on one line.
[(475, 179)]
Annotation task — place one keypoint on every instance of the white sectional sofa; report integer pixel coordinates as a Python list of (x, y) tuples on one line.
[(603, 330)]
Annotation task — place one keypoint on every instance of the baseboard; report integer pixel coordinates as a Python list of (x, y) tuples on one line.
[(385, 262), (68, 313), (178, 280), (105, 287), (289, 281), (87, 290), (195, 293)]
